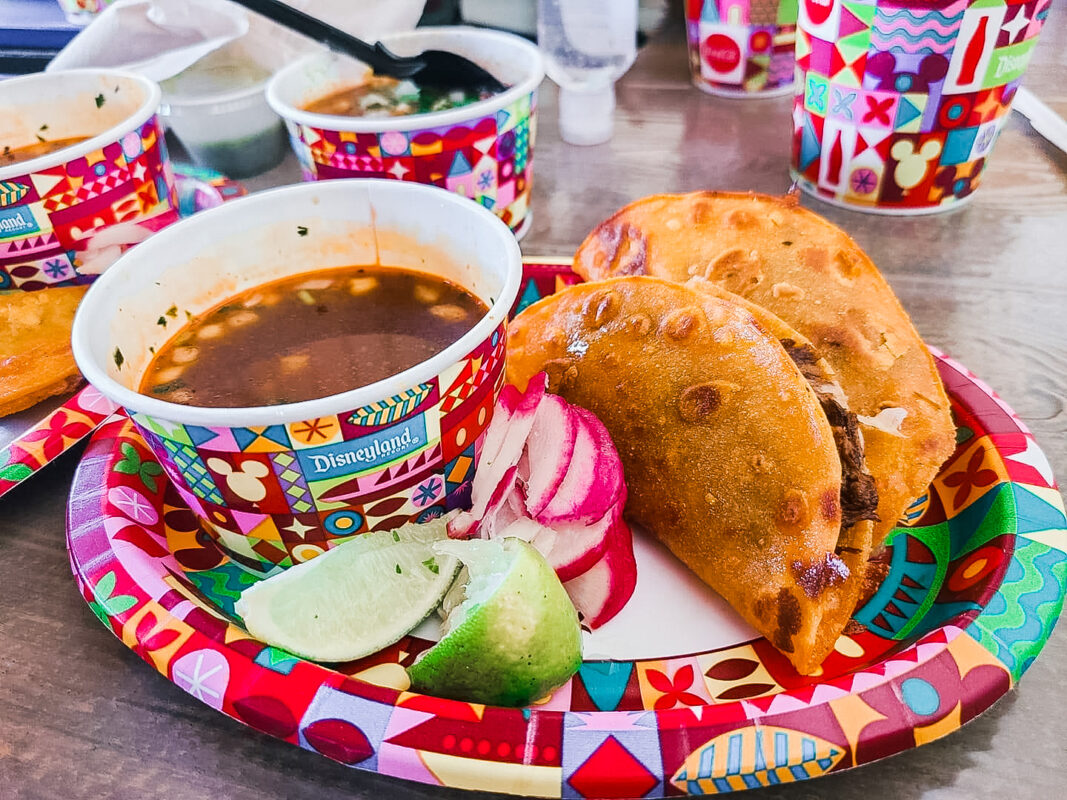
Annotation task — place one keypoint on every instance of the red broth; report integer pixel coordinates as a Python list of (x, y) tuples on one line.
[(310, 336), (13, 155)]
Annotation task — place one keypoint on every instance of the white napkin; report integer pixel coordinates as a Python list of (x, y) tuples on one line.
[(160, 38), (368, 20), (156, 38)]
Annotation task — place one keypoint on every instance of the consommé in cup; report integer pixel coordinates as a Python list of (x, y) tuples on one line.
[(277, 485), (483, 151), (66, 214)]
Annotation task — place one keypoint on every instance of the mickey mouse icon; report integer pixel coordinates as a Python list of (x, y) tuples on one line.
[(912, 164), (244, 481), (882, 67)]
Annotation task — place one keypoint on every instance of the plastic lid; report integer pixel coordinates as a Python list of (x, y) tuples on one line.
[(587, 117)]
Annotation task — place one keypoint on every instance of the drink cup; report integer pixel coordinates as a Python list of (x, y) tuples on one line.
[(483, 151), (898, 102), (742, 48)]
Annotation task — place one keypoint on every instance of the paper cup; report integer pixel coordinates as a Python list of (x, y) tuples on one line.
[(483, 151), (277, 485), (67, 214), (742, 48), (898, 102)]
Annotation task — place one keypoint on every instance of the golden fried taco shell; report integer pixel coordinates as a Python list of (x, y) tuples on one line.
[(812, 275), (35, 356), (729, 459), (859, 496)]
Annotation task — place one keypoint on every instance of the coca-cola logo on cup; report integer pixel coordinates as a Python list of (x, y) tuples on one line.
[(721, 52), (818, 10)]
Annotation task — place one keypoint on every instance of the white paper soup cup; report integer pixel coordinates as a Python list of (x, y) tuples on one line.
[(65, 215), (276, 485), (483, 151)]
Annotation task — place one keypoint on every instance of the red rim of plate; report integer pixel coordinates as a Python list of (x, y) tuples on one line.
[(988, 610)]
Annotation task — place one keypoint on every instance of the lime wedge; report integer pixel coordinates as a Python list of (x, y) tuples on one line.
[(513, 634), (355, 599)]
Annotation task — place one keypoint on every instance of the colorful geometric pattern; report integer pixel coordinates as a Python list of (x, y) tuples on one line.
[(48, 218), (67, 425), (754, 757), (975, 586), (292, 483), (191, 471), (391, 409), (386, 463), (56, 433), (899, 103), (740, 47), (488, 159), (541, 277)]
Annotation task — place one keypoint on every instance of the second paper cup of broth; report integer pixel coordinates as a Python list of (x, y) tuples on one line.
[(310, 363)]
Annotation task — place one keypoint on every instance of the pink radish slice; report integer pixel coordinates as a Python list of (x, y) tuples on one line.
[(505, 406), (569, 548), (608, 460), (549, 449), (504, 442), (523, 528), (466, 524), (600, 592), (549, 473), (593, 480), (573, 548), (503, 514)]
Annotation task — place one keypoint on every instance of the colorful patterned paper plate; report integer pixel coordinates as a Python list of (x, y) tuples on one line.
[(976, 581), (37, 436)]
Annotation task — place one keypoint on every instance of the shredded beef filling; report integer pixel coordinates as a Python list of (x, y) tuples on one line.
[(859, 498)]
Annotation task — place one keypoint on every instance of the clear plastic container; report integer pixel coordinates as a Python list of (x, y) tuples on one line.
[(587, 45), (218, 110)]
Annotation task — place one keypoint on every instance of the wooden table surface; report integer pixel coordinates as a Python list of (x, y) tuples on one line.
[(81, 716)]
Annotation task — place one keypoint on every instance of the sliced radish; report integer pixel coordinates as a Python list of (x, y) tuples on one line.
[(523, 528), (612, 480), (505, 406), (600, 592), (466, 523), (503, 514), (571, 548), (549, 473), (550, 448), (505, 439), (593, 480)]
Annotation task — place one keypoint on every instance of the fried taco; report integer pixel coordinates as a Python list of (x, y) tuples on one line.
[(729, 456), (36, 361), (813, 276), (859, 496)]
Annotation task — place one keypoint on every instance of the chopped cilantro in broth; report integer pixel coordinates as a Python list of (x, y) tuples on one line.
[(382, 96), (311, 336)]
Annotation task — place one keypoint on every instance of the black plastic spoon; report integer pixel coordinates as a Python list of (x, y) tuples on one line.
[(435, 69)]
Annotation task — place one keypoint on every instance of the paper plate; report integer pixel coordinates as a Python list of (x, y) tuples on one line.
[(37, 436), (976, 580)]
